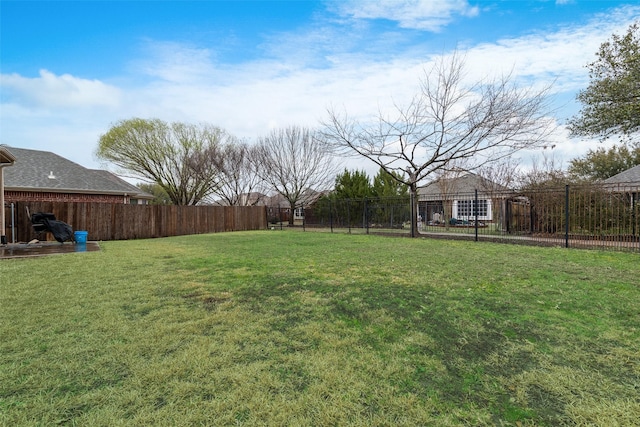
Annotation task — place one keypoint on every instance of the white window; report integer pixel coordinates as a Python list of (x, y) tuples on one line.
[(298, 213), (465, 209)]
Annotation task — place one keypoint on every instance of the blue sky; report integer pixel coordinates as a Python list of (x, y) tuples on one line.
[(72, 69)]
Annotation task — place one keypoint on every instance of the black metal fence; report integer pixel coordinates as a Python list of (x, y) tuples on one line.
[(588, 216), (367, 215)]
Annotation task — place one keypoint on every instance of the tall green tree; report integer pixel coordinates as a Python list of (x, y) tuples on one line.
[(392, 206), (611, 102), (347, 201), (183, 159), (388, 184), (602, 163)]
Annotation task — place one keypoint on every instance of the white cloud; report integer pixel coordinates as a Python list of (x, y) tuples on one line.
[(74, 137), (248, 97), (563, 54), (178, 82), (175, 62), (66, 91), (254, 96), (430, 15)]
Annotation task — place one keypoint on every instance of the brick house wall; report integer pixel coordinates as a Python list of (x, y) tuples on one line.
[(32, 196)]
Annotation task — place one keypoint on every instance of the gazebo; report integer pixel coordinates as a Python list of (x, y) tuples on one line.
[(6, 159)]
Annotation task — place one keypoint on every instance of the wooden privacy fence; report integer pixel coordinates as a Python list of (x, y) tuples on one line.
[(105, 221)]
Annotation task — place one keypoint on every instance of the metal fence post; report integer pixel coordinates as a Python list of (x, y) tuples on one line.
[(566, 216), (413, 213), (475, 211), (365, 216), (636, 203), (330, 215), (633, 214)]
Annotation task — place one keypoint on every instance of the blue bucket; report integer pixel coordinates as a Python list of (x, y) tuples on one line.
[(80, 236)]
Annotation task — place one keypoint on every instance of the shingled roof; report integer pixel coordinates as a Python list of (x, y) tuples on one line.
[(36, 170), (468, 182), (630, 176)]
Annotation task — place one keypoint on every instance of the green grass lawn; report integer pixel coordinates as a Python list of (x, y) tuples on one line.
[(313, 329)]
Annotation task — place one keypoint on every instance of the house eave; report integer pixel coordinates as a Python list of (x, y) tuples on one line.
[(6, 158), (77, 191)]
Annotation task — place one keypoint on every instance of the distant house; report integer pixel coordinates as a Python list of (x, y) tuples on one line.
[(453, 197), (45, 176), (629, 177), (627, 182), (254, 198), (279, 208)]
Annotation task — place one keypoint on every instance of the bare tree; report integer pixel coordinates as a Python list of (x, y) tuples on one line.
[(547, 173), (293, 162), (240, 185), (499, 175), (447, 182), (543, 188), (497, 179), (446, 121)]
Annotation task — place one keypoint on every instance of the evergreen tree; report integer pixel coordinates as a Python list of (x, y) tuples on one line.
[(349, 197), (601, 164), (391, 206), (611, 102), (352, 185), (387, 184)]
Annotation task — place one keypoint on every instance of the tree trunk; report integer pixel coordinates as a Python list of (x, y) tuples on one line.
[(292, 214), (413, 197)]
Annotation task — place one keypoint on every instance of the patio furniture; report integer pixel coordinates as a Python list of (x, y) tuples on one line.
[(43, 222)]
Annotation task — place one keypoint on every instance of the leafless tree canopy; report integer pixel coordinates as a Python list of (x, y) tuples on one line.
[(547, 173), (293, 162), (240, 185), (202, 174), (499, 175), (446, 122)]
